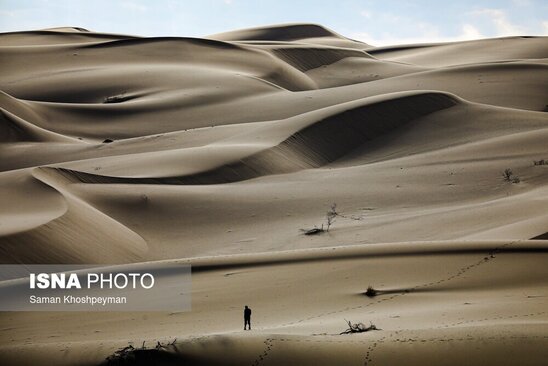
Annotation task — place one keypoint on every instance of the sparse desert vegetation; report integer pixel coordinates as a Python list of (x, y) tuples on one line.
[(359, 327), (509, 176), (371, 292), (142, 355), (330, 217)]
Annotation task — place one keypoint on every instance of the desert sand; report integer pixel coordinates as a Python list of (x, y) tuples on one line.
[(221, 151)]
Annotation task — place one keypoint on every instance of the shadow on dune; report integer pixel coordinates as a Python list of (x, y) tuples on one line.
[(541, 237), (395, 291), (138, 357), (281, 32), (305, 59), (317, 142)]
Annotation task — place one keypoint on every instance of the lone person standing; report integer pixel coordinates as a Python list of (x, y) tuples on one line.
[(247, 317)]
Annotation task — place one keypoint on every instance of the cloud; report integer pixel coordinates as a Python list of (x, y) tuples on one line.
[(365, 14), (133, 6), (428, 30), (500, 21), (521, 2), (545, 26), (5, 13), (430, 34), (470, 32)]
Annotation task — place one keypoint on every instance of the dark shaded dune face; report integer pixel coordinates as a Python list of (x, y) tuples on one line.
[(11, 130), (333, 137), (61, 228), (320, 142), (290, 32), (14, 129), (297, 33), (72, 239), (19, 108), (18, 123), (69, 29), (305, 59), (328, 139), (541, 236)]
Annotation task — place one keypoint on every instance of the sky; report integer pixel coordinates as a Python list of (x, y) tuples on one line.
[(378, 23)]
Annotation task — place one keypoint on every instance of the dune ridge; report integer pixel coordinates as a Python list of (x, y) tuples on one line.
[(287, 32), (73, 235), (308, 58), (341, 129)]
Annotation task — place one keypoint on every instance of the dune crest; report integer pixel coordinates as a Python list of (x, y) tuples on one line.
[(309, 141), (285, 32)]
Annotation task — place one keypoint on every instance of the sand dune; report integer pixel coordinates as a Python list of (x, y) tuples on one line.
[(297, 33), (218, 151), (307, 141), (443, 54), (455, 296)]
